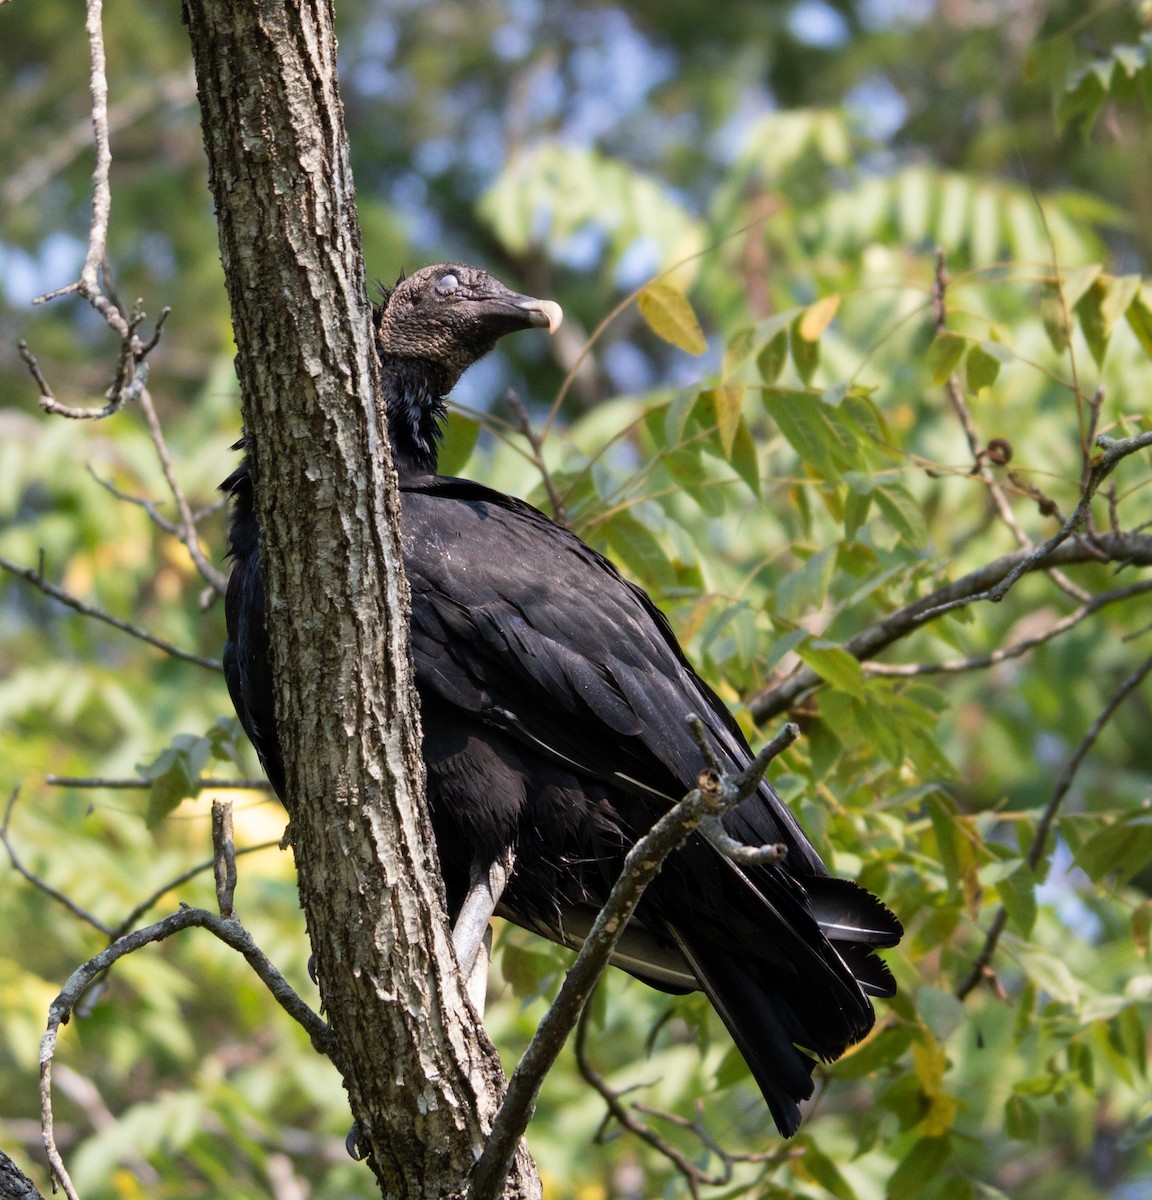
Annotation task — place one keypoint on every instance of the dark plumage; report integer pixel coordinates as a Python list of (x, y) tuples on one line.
[(554, 696)]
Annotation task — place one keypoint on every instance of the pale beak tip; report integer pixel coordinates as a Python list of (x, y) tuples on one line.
[(552, 313)]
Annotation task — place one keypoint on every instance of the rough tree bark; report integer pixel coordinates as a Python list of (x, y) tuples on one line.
[(14, 1184), (422, 1078)]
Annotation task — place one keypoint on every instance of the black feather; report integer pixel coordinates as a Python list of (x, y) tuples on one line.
[(554, 698)]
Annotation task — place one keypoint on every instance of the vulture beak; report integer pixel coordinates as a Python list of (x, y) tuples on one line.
[(542, 312)]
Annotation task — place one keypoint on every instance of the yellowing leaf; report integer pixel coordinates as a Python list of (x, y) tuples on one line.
[(814, 319), (670, 317), (728, 400)]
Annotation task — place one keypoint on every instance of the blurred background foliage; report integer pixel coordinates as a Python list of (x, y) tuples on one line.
[(778, 458)]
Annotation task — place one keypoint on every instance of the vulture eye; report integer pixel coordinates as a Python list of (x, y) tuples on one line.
[(447, 284)]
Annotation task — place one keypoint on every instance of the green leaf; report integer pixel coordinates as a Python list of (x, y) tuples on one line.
[(1021, 1120), (1121, 849), (817, 1166), (669, 315), (174, 775), (770, 361), (1090, 311), (744, 457), (944, 355), (922, 1163), (1018, 895), (1142, 926), (1051, 975), (804, 590), (856, 506), (738, 351), (640, 550), (903, 513), (981, 368), (805, 353), (1075, 283), (834, 664), (1054, 314), (1139, 317), (816, 431), (1119, 294)]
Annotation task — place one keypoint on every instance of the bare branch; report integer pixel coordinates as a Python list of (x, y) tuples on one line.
[(231, 932), (132, 368), (715, 793), (224, 856), (1017, 649), (186, 532), (109, 931), (693, 1175), (559, 512), (203, 783), (36, 578), (184, 876), (981, 966), (1128, 548), (996, 451)]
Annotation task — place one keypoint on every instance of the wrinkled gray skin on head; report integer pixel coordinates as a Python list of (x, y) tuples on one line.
[(450, 315)]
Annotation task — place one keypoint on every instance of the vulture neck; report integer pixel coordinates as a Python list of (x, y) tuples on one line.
[(414, 392)]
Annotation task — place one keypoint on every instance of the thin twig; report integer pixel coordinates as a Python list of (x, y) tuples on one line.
[(36, 578), (559, 512), (231, 932), (981, 965), (202, 784), (149, 506), (715, 793), (184, 876), (980, 454), (187, 532), (1115, 451), (132, 368), (112, 932), (693, 1175)]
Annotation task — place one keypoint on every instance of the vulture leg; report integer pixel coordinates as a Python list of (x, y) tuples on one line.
[(470, 934)]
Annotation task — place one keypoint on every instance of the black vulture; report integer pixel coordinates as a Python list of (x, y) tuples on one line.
[(554, 699)]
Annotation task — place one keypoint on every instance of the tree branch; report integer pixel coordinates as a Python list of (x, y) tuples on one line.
[(131, 375), (229, 931), (186, 531), (1133, 549), (14, 1184), (715, 794), (1017, 649), (982, 963), (36, 578)]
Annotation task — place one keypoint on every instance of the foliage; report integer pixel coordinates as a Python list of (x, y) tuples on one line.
[(770, 437)]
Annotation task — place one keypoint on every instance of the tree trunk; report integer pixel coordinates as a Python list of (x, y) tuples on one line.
[(423, 1080), (14, 1184)]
